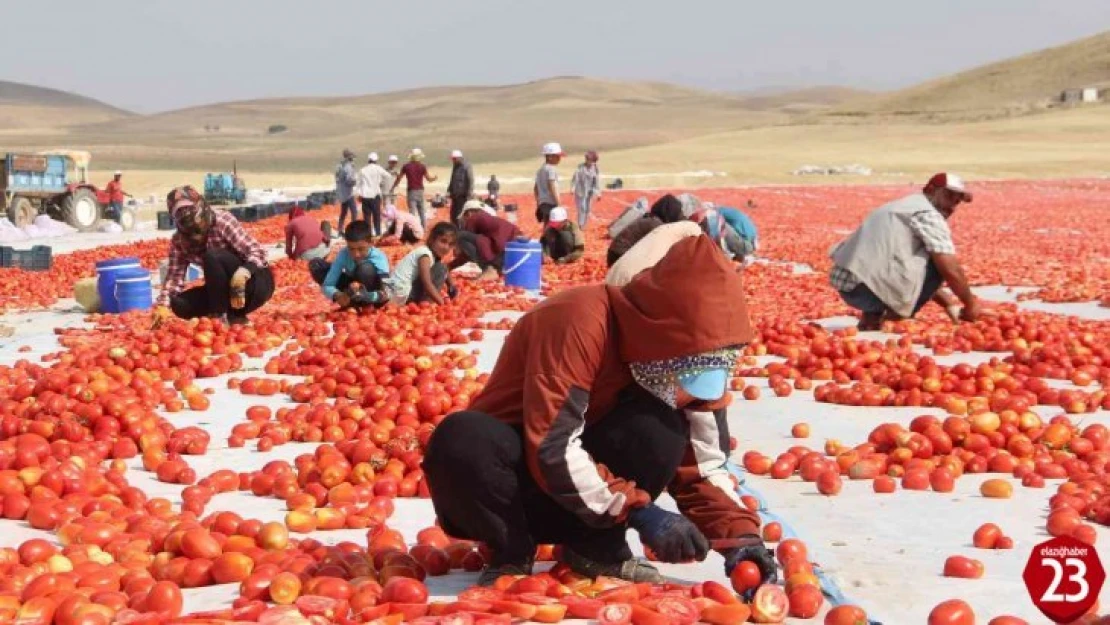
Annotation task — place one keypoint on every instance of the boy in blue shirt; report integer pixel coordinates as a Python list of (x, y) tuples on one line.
[(355, 277)]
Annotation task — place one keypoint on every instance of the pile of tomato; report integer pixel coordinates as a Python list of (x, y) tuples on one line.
[(369, 390)]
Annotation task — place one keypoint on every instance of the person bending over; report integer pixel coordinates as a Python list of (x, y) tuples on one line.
[(305, 239), (562, 238), (583, 425), (482, 240), (354, 279)]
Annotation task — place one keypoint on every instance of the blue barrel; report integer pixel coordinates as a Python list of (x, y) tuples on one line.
[(106, 271), (523, 260), (133, 290)]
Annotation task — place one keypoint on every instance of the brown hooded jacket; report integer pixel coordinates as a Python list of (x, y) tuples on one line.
[(555, 377)]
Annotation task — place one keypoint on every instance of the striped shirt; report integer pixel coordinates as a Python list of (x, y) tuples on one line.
[(226, 233), (931, 228)]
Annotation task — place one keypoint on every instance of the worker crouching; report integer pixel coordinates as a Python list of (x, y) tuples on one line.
[(583, 425), (562, 239)]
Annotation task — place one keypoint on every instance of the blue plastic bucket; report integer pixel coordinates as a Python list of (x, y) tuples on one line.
[(106, 271), (133, 290), (523, 261)]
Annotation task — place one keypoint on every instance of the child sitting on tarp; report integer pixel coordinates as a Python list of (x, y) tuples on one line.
[(421, 274), (562, 238), (401, 226), (355, 278)]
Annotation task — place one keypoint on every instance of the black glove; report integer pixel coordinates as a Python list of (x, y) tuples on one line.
[(672, 537), (754, 552), (365, 298), (452, 291)]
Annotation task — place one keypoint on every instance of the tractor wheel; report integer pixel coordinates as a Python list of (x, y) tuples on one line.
[(81, 210), (22, 212)]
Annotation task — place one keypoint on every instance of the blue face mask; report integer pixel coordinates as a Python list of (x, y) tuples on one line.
[(703, 376)]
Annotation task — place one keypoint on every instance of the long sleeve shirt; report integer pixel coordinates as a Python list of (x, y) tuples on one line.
[(302, 234), (344, 264), (345, 180), (402, 219), (226, 233), (586, 181)]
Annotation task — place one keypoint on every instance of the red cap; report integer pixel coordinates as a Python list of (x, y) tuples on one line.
[(948, 181)]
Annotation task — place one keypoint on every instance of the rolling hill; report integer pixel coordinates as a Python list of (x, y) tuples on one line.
[(1020, 84), (24, 107), (490, 123)]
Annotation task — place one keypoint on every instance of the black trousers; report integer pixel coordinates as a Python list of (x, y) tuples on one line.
[(482, 489), (344, 208), (542, 211), (364, 273), (373, 207), (214, 296), (457, 203), (418, 294)]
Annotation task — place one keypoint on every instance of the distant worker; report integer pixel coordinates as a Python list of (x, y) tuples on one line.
[(388, 196), (345, 180), (546, 189), (402, 225), (461, 185), (237, 276), (901, 255), (369, 189), (115, 197), (493, 187), (586, 183), (562, 239), (305, 239), (415, 174), (744, 228), (482, 240)]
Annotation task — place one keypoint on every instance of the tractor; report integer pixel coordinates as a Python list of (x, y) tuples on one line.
[(225, 188), (55, 183)]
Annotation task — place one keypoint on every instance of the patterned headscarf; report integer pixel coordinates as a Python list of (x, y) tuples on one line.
[(191, 213), (662, 378)]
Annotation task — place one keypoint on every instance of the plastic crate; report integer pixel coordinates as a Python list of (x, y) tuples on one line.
[(7, 255), (38, 258), (165, 221), (237, 212)]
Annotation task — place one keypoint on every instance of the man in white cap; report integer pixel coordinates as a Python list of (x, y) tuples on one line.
[(461, 186), (388, 197), (415, 174), (115, 196), (371, 178), (546, 189), (562, 239), (901, 255)]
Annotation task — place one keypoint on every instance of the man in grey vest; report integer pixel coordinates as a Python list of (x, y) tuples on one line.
[(901, 255)]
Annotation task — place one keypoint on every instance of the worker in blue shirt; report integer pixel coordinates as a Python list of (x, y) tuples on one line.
[(356, 276)]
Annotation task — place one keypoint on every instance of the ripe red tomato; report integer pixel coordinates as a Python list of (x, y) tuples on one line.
[(745, 576), (404, 590), (952, 612)]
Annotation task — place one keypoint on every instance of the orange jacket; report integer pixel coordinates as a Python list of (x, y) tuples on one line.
[(565, 362)]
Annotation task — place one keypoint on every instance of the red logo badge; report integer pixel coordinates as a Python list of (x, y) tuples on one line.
[(1064, 577)]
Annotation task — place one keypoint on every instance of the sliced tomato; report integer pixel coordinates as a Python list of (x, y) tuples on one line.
[(718, 592), (410, 611), (457, 618), (515, 609), (313, 605), (681, 610), (621, 594), (425, 620), (643, 615), (726, 614), (480, 593), (536, 598), (249, 612), (582, 607), (469, 605), (550, 613), (492, 619), (615, 614), (374, 612)]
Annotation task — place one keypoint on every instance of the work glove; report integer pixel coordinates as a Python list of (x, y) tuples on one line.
[(672, 537), (452, 291), (238, 285), (362, 297), (752, 550), (159, 316)]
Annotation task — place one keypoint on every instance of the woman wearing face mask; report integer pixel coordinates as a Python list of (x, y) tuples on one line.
[(582, 425), (237, 277)]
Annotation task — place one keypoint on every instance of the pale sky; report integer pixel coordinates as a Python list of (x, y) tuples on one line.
[(153, 55)]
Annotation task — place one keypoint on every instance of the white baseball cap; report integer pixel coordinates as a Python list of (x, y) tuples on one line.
[(952, 182), (552, 149), (373, 158), (557, 216), (393, 158), (456, 153), (119, 173)]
